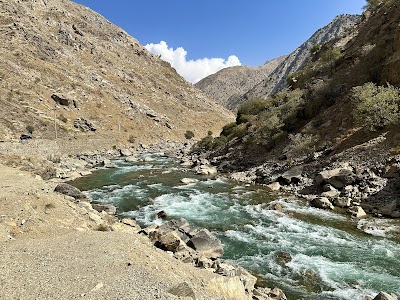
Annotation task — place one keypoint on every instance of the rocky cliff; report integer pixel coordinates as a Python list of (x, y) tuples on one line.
[(56, 54), (276, 74)]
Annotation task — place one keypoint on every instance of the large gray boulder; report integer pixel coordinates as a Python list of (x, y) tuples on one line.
[(385, 296), (338, 178), (322, 202), (108, 208), (69, 190), (206, 244)]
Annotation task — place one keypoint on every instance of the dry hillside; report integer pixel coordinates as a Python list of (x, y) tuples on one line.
[(105, 84)]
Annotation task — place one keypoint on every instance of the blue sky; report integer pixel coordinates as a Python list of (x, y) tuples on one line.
[(253, 30)]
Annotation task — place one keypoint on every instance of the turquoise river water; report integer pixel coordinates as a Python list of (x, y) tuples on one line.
[(331, 258)]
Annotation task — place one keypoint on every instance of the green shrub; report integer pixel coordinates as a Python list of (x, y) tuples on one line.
[(376, 106), (189, 135), (131, 139), (301, 145), (227, 130)]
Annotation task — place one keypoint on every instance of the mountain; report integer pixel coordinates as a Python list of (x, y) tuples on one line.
[(274, 80), (332, 135), (233, 82), (105, 84)]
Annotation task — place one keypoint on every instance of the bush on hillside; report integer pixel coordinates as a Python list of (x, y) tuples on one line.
[(189, 135), (269, 119), (376, 106), (301, 145)]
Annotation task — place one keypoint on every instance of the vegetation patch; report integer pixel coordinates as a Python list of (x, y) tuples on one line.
[(376, 106)]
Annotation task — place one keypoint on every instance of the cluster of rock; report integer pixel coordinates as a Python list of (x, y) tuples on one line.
[(200, 166), (84, 125), (357, 188), (199, 248)]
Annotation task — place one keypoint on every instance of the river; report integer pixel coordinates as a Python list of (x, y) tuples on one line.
[(330, 257)]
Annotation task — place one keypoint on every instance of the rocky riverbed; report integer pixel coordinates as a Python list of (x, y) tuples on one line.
[(85, 220)]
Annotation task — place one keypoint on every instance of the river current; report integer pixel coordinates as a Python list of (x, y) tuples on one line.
[(330, 257)]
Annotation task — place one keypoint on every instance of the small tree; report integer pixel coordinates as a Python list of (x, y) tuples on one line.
[(189, 134), (330, 57), (376, 106)]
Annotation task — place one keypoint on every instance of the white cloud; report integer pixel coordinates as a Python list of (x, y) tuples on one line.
[(191, 70)]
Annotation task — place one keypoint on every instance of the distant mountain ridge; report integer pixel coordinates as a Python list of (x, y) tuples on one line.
[(216, 86), (235, 81)]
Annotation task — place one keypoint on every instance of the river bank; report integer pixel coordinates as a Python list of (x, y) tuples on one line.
[(301, 249), (69, 167), (55, 246)]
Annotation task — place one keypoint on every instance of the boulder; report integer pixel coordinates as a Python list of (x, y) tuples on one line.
[(206, 170), (130, 222), (169, 242), (131, 159), (338, 178), (357, 212), (388, 209), (393, 171), (108, 164), (276, 206), (283, 257), (84, 125), (108, 208), (322, 202), (228, 287), (69, 190), (161, 214), (185, 162), (342, 202), (274, 187), (63, 100), (189, 180), (206, 244), (385, 296), (292, 176), (148, 159), (125, 152), (331, 194)]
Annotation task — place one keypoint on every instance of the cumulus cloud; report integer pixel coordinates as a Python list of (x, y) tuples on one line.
[(191, 70)]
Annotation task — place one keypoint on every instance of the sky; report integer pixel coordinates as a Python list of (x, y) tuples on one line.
[(201, 37)]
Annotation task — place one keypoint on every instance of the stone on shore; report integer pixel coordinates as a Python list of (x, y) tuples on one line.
[(206, 170), (322, 202), (69, 190), (189, 180), (385, 296), (358, 212), (338, 178), (108, 208), (206, 244), (274, 187)]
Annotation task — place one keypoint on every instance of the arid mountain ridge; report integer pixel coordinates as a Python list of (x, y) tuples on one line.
[(232, 86), (105, 83)]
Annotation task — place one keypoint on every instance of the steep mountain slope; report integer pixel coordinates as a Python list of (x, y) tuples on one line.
[(233, 82), (338, 28), (275, 79), (103, 81), (316, 114)]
